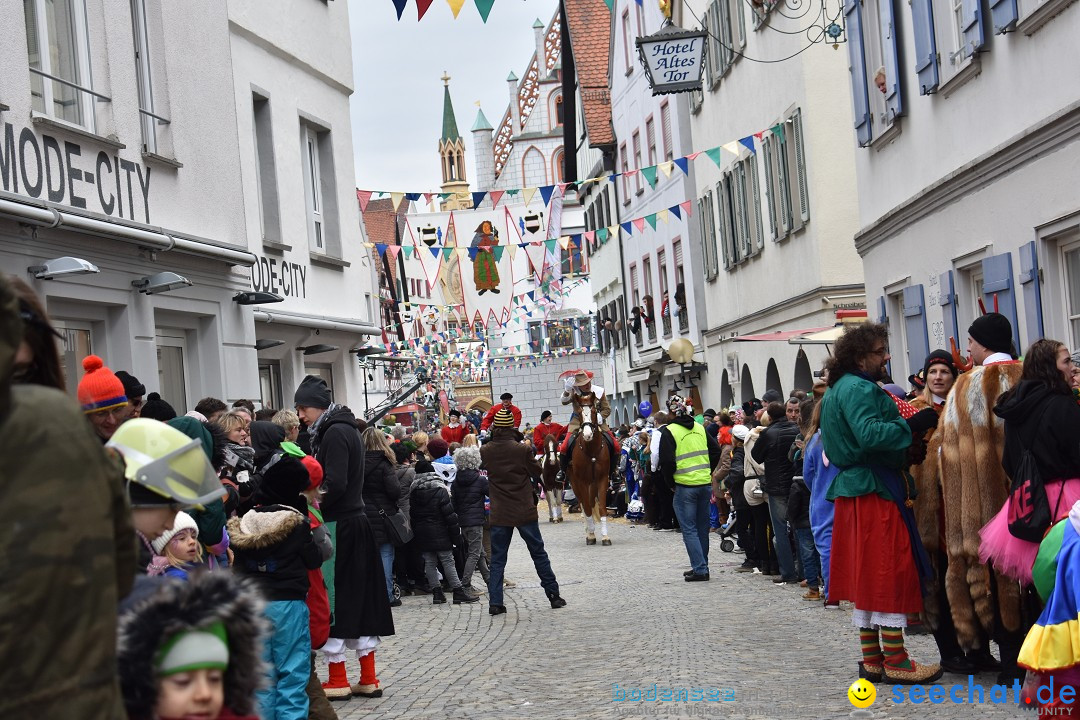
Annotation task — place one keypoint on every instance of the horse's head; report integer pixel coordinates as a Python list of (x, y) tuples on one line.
[(551, 448), (587, 422)]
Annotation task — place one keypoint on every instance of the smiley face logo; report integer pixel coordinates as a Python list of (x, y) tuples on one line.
[(862, 693)]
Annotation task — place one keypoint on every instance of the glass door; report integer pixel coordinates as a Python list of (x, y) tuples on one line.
[(172, 369)]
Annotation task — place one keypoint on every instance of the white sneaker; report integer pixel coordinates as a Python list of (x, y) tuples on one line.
[(757, 571)]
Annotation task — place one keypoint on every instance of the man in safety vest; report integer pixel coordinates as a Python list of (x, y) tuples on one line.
[(688, 455)]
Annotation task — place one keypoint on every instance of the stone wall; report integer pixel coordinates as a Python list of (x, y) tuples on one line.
[(536, 389)]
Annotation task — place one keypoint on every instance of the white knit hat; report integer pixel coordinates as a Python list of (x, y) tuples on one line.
[(183, 521)]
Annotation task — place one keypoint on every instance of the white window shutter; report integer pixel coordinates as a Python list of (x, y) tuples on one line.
[(800, 159)]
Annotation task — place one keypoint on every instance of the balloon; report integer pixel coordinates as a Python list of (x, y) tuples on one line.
[(645, 408)]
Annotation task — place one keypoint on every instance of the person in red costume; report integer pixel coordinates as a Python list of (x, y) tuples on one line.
[(507, 402), (545, 428), (454, 431)]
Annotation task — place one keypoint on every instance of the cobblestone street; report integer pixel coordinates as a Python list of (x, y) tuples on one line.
[(780, 656)]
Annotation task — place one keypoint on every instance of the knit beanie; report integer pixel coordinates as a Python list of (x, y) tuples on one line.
[(993, 331), (943, 357), (99, 388), (503, 418), (437, 447), (155, 408), (314, 470), (183, 521), (545, 415), (283, 482), (132, 387), (313, 393)]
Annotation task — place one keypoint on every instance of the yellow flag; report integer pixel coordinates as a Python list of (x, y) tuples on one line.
[(512, 248), (528, 194), (666, 168), (732, 147), (455, 6), (662, 215), (396, 198), (564, 242)]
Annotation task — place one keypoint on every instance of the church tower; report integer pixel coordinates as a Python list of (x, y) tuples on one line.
[(452, 157)]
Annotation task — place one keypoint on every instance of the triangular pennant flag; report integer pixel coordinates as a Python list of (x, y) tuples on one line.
[(435, 252), (462, 253), (550, 245), (651, 219), (527, 194), (674, 210), (589, 236), (444, 196), (427, 198), (396, 198), (613, 231), (650, 175), (399, 5), (478, 197), (364, 197), (609, 4), (513, 250), (628, 228), (686, 205), (778, 131), (602, 234), (545, 193), (692, 156), (639, 223), (381, 247), (484, 6), (496, 196), (714, 155), (759, 134), (421, 8), (497, 251), (662, 216), (472, 253), (448, 253), (408, 250), (666, 168), (732, 147), (455, 6), (748, 143), (564, 242), (412, 197)]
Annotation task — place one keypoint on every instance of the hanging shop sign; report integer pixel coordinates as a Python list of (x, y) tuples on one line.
[(674, 59), (59, 171)]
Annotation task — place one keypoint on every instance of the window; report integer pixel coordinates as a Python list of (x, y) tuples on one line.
[(650, 138), (679, 299), (635, 299), (738, 198), (58, 49), (270, 384), (707, 221), (627, 36), (561, 334), (714, 52), (144, 76), (639, 7), (957, 30), (571, 259), (647, 299), (665, 129), (786, 189), (557, 116), (665, 299), (874, 64), (265, 169), (320, 188), (172, 369), (75, 346), (636, 139), (1070, 257), (558, 165), (625, 176), (313, 190)]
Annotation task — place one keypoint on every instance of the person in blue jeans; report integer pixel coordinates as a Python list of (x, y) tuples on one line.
[(773, 449), (687, 458), (510, 465)]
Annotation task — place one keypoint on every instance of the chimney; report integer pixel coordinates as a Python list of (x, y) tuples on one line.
[(515, 106)]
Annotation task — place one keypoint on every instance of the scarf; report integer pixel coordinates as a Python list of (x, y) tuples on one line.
[(242, 457), (313, 431)]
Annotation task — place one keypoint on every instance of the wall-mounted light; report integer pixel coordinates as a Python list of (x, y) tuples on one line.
[(317, 349), (253, 297), (62, 266), (267, 343), (160, 282)]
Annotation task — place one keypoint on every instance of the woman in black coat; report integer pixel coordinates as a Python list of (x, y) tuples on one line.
[(435, 531), (381, 492)]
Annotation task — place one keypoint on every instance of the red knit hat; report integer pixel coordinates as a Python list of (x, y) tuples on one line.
[(315, 471), (99, 388)]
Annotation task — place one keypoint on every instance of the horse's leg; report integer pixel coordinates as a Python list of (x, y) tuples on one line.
[(550, 495), (558, 493)]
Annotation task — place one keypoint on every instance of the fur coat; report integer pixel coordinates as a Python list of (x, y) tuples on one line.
[(927, 508), (974, 487)]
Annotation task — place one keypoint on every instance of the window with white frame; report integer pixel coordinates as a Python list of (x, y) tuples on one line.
[(640, 9), (738, 196), (707, 223), (956, 39), (636, 140), (1070, 276), (57, 44), (265, 168), (665, 300), (628, 37), (873, 57), (786, 189), (625, 176), (725, 21), (313, 190), (150, 78), (650, 139)]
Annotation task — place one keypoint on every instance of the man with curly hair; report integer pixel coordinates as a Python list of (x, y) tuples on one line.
[(878, 561)]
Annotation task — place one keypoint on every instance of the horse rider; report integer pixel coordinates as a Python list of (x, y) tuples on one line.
[(507, 402), (580, 386), (545, 428)]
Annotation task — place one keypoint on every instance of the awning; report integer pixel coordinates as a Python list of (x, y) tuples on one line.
[(828, 336), (638, 374), (402, 409), (779, 335)]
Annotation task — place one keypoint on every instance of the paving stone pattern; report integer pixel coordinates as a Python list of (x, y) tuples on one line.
[(632, 621)]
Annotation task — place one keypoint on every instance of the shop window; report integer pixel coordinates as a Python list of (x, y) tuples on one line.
[(57, 44), (270, 385)]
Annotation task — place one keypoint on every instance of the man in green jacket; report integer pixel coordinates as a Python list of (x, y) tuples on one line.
[(878, 561)]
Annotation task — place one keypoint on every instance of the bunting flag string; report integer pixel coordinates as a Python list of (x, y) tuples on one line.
[(734, 148)]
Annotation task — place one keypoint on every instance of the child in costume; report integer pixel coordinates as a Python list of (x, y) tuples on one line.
[(273, 544), (192, 649), (178, 552)]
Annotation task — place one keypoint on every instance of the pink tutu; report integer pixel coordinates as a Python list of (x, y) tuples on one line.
[(1009, 554)]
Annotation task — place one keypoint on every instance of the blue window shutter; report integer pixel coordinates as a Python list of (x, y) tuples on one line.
[(971, 20), (894, 104), (926, 60), (947, 300), (856, 56), (883, 317), (918, 343), (1031, 284), (1004, 15), (997, 280)]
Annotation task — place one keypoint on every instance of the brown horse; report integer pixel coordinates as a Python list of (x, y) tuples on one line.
[(590, 465), (553, 489)]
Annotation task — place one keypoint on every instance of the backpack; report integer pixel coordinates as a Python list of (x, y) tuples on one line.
[(751, 468), (1029, 508)]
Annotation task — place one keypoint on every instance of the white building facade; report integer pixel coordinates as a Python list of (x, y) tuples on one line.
[(777, 221), (968, 169)]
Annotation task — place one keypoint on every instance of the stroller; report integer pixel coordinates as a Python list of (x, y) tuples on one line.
[(727, 533)]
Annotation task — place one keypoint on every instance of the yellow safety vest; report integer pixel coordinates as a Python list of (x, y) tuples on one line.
[(691, 455)]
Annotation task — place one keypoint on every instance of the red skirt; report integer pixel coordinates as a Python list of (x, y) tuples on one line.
[(871, 563)]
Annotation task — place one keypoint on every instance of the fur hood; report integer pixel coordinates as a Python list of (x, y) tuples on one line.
[(173, 606), (263, 527), (467, 458)]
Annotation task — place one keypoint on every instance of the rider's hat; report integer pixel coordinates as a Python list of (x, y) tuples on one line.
[(582, 378)]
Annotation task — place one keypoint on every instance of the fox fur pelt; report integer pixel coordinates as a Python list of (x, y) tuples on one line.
[(974, 488), (927, 510)]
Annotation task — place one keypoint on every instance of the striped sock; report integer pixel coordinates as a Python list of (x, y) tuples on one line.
[(871, 651), (892, 640)]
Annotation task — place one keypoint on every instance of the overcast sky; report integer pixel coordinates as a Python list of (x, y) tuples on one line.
[(397, 106)]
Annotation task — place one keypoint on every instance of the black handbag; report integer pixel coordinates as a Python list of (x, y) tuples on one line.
[(397, 527)]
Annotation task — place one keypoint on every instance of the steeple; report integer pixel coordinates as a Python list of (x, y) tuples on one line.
[(452, 155)]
